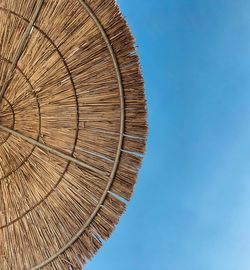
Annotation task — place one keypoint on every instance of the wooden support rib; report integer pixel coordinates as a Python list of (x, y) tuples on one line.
[(119, 148), (21, 49), (54, 151)]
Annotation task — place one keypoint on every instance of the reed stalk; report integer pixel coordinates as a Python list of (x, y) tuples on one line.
[(72, 129)]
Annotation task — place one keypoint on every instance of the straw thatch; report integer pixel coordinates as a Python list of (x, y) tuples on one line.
[(72, 129)]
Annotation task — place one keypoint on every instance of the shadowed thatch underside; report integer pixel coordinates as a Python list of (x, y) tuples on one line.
[(72, 129)]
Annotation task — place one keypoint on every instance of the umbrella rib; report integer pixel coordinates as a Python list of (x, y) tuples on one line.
[(54, 151), (120, 144), (21, 49)]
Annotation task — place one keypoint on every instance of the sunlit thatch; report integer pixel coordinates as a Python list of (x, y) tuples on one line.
[(72, 129)]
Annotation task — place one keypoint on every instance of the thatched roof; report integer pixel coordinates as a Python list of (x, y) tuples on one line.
[(72, 129)]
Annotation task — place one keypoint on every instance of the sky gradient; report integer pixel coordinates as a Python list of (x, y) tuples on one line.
[(191, 207)]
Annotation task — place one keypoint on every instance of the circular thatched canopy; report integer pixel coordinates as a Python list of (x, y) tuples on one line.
[(72, 129)]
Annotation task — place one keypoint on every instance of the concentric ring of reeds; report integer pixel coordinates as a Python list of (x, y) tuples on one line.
[(72, 129)]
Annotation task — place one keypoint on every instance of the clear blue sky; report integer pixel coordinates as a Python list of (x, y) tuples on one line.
[(191, 208)]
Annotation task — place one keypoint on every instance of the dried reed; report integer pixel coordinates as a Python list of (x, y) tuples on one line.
[(72, 129)]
